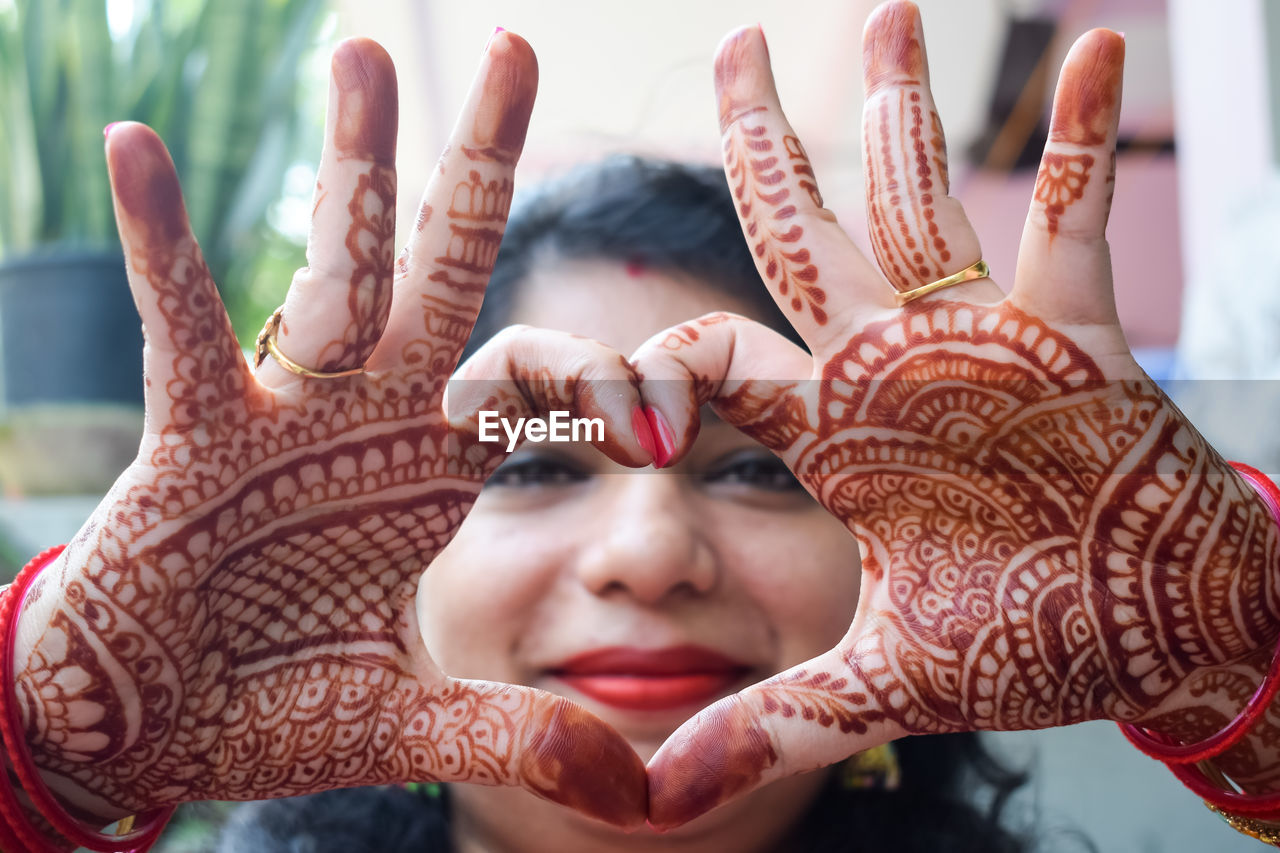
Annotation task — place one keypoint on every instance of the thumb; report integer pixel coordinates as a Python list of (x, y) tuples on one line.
[(812, 715), (491, 733)]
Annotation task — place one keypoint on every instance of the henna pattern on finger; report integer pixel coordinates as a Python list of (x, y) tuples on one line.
[(800, 167), (477, 214), (1081, 132), (687, 334), (370, 246), (770, 412), (499, 126), (905, 153), (821, 698), (905, 182), (1060, 182), (759, 183)]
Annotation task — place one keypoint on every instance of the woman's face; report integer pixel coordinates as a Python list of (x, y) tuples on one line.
[(643, 595)]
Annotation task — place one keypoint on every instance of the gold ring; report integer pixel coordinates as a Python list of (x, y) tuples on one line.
[(266, 345), (976, 270)]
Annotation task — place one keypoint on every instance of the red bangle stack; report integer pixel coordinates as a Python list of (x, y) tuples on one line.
[(1191, 762), (18, 833)]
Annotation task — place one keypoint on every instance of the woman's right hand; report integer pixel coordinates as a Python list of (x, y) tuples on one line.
[(236, 620)]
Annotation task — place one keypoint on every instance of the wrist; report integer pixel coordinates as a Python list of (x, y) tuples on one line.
[(1227, 716), (1261, 562), (44, 804), (1207, 702)]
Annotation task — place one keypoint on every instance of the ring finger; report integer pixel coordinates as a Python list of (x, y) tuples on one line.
[(337, 305), (920, 234)]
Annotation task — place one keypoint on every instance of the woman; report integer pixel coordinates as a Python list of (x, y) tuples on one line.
[(235, 622)]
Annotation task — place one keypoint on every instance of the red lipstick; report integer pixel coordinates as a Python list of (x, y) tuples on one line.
[(651, 679)]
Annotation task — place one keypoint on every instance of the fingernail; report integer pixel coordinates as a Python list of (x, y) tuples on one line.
[(760, 27), (502, 117), (146, 188), (640, 426), (664, 437), (106, 131), (492, 36), (733, 62), (893, 51), (1121, 34)]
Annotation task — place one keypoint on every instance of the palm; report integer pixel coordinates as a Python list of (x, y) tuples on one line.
[(1002, 493)]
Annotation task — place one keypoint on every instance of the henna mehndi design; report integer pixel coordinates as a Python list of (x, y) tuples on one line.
[(371, 247), (1061, 180), (901, 192), (237, 619), (755, 174), (1045, 538), (314, 522)]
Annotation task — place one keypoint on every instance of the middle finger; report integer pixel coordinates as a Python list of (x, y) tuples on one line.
[(442, 274)]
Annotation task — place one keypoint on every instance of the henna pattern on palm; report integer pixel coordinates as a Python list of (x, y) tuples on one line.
[(1012, 506), (1033, 534), (314, 522)]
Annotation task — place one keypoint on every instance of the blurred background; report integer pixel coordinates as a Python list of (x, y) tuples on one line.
[(237, 89)]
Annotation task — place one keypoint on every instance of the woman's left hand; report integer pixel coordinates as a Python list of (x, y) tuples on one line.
[(1045, 539)]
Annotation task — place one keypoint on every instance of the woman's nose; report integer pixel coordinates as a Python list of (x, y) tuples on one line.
[(649, 542)]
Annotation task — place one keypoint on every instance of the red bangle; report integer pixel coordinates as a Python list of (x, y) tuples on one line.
[(1259, 806), (78, 833), (1171, 752)]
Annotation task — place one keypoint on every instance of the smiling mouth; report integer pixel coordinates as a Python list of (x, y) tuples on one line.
[(651, 679)]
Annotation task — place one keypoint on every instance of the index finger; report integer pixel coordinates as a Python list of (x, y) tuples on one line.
[(812, 269)]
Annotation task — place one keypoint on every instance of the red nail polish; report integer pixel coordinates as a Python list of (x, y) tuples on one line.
[(664, 438), (640, 426), (106, 131)]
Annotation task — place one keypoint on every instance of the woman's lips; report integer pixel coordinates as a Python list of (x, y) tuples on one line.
[(651, 679)]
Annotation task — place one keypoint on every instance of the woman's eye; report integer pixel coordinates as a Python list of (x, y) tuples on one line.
[(523, 472), (758, 470)]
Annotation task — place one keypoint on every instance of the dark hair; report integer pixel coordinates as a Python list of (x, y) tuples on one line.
[(678, 218), (669, 216)]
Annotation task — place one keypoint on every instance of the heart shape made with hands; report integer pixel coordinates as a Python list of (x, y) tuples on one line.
[(236, 620)]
